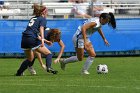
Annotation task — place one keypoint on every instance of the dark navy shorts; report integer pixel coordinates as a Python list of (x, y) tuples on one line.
[(29, 42)]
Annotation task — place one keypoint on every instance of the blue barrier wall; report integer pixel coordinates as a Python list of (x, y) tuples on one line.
[(126, 37)]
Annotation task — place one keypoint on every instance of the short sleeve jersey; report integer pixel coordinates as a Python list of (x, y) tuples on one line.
[(34, 25), (89, 31)]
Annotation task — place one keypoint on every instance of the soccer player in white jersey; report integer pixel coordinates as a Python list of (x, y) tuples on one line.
[(82, 42)]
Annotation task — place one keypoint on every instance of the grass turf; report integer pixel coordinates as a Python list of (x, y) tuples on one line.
[(123, 77)]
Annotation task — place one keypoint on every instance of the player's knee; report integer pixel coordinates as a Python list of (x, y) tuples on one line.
[(30, 59), (93, 55), (47, 53), (91, 58), (80, 58)]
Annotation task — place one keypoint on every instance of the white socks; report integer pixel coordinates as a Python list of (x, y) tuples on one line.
[(74, 59), (71, 59), (88, 63)]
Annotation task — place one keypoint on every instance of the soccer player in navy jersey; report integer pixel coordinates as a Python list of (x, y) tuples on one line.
[(30, 41), (50, 36)]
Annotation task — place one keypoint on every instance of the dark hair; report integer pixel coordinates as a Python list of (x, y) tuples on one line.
[(111, 18)]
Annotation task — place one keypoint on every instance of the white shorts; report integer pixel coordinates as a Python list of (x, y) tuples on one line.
[(79, 43)]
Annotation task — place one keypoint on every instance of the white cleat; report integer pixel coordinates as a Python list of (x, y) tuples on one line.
[(85, 72), (62, 64), (32, 70)]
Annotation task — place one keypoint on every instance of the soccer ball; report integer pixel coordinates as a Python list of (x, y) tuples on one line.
[(102, 69)]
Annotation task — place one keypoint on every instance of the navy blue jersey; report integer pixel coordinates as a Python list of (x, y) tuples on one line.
[(29, 36), (34, 25)]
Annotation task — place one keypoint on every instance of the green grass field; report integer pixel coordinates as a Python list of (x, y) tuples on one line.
[(123, 77)]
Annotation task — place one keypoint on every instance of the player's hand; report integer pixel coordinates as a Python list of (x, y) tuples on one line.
[(43, 66), (86, 45), (106, 42), (49, 43), (56, 60)]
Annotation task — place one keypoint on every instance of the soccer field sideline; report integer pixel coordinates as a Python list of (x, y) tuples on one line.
[(122, 77)]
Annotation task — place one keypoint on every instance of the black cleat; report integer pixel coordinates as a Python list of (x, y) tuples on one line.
[(17, 74), (51, 70)]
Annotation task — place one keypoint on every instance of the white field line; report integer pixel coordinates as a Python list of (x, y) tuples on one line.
[(96, 86), (78, 80), (38, 85)]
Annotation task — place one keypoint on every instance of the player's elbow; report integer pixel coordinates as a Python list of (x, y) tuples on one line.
[(63, 47)]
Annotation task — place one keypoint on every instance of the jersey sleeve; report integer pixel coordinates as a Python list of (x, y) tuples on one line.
[(43, 22)]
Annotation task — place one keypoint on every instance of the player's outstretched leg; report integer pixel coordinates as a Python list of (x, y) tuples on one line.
[(64, 61), (62, 64)]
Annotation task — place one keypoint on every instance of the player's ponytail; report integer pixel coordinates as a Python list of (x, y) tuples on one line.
[(112, 21), (111, 18)]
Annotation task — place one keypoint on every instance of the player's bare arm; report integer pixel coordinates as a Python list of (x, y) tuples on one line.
[(103, 37), (42, 35), (61, 44), (84, 29)]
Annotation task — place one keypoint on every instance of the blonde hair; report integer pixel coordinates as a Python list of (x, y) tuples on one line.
[(38, 9)]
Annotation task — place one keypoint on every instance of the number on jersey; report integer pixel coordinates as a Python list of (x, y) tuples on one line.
[(32, 21)]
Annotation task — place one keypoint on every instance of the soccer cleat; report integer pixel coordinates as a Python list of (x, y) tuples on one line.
[(32, 70), (85, 72), (17, 74), (22, 74), (62, 64), (51, 70)]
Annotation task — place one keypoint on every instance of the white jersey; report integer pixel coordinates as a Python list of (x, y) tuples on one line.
[(89, 31)]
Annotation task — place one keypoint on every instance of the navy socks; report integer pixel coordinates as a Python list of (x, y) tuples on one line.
[(48, 60), (23, 67), (32, 63)]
